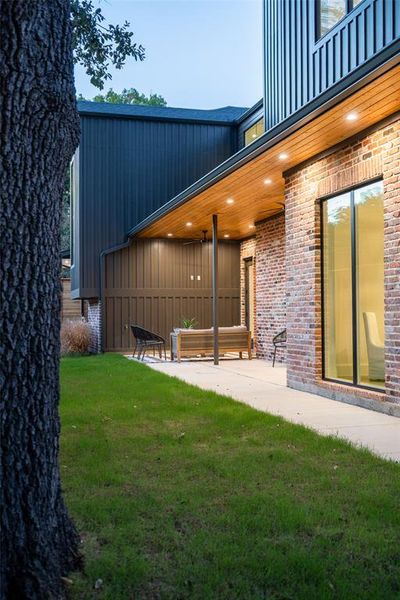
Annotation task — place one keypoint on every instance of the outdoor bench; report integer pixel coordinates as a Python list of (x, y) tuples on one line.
[(200, 342)]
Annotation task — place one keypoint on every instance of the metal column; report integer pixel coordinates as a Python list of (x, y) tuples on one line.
[(215, 286)]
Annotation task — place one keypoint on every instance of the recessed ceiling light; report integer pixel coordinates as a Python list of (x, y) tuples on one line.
[(226, 235), (254, 135), (170, 234), (283, 156), (352, 116), (251, 226), (267, 181), (189, 224), (230, 201)]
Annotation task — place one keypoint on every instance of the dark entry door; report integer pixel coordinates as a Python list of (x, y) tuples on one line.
[(249, 294)]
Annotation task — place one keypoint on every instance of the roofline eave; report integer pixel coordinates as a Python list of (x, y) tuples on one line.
[(366, 73)]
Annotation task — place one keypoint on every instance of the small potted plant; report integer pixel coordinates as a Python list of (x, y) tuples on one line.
[(189, 323)]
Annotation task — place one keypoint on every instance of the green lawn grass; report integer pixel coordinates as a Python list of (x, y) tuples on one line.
[(183, 494)]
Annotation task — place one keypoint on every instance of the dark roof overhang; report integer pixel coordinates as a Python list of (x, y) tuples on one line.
[(227, 115)]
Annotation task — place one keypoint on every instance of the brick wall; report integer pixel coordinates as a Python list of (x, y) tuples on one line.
[(390, 140), (270, 285), (373, 155), (94, 320)]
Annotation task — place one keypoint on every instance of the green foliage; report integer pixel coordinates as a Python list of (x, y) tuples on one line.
[(98, 45), (189, 323), (182, 493), (131, 96)]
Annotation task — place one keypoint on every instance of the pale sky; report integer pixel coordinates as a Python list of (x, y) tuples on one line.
[(199, 53)]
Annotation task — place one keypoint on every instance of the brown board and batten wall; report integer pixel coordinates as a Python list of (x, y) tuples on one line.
[(70, 309), (155, 283)]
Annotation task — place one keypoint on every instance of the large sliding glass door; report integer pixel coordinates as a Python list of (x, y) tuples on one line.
[(353, 286)]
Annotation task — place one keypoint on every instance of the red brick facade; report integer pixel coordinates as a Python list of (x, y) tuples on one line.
[(288, 290), (270, 285), (94, 320), (247, 251), (268, 252), (377, 154), (391, 169)]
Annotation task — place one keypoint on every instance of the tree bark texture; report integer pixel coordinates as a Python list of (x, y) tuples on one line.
[(39, 131)]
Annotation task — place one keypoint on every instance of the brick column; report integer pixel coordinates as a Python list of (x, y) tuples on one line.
[(303, 281), (94, 320), (270, 285), (391, 183)]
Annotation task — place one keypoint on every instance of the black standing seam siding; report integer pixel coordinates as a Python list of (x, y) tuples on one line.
[(128, 169), (299, 67)]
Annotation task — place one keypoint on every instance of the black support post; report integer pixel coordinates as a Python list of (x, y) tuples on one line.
[(215, 286)]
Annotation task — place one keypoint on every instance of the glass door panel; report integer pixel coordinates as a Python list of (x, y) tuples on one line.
[(369, 232), (337, 288)]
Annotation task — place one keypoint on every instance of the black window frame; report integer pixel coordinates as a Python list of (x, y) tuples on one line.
[(349, 7), (354, 322)]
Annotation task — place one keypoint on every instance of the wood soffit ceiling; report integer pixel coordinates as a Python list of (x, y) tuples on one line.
[(255, 200)]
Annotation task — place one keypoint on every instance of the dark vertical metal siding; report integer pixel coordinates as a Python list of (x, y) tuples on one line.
[(150, 284), (132, 167), (299, 67)]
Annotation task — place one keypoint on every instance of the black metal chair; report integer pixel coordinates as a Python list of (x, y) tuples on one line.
[(145, 339), (279, 341)]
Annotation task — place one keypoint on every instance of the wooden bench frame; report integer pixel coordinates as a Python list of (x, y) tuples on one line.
[(207, 349)]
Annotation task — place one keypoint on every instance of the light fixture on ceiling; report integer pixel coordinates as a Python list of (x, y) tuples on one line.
[(283, 156), (189, 224), (267, 181), (352, 116), (170, 234), (254, 135), (226, 235), (252, 226), (230, 201)]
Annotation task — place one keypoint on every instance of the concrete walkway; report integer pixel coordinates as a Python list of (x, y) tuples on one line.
[(257, 384)]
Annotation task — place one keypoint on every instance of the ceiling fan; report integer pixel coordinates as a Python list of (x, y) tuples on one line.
[(198, 240)]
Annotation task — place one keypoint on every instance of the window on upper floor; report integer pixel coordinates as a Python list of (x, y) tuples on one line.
[(253, 132), (331, 11)]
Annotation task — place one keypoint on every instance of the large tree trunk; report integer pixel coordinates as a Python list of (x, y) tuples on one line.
[(39, 131)]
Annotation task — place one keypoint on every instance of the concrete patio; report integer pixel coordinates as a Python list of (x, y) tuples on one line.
[(259, 385)]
